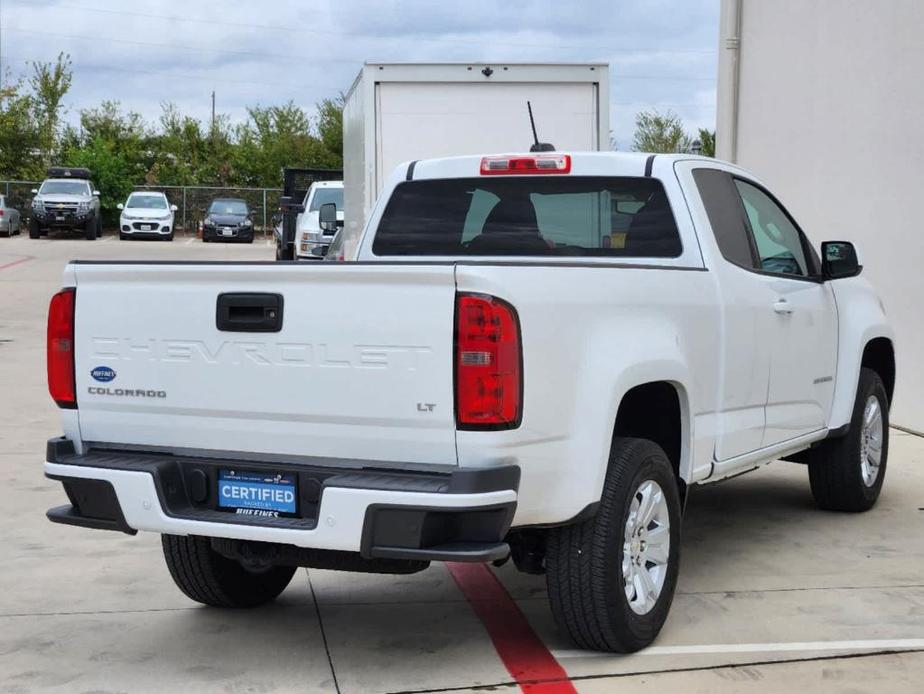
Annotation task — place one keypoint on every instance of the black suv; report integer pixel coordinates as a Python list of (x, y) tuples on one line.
[(228, 219)]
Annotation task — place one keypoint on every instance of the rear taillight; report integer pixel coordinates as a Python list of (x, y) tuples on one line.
[(489, 375), (520, 165), (60, 347)]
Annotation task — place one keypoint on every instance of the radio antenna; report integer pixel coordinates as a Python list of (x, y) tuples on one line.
[(537, 146)]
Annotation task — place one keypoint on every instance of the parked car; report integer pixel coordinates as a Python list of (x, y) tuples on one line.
[(10, 221), (311, 241), (66, 200), (228, 219), (146, 214), (541, 354)]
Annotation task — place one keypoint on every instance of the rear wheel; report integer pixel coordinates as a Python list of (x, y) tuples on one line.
[(207, 577), (611, 578), (847, 473)]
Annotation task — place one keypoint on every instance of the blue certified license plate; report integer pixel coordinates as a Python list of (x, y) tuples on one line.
[(257, 494)]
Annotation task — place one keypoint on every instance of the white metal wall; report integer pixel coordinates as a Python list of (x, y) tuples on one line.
[(829, 109)]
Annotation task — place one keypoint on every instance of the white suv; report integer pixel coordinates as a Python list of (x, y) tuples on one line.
[(146, 214)]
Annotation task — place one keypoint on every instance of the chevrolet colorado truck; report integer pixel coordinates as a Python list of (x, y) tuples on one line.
[(533, 357), (66, 200)]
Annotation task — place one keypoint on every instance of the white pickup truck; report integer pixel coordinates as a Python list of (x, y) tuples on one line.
[(311, 241), (534, 356)]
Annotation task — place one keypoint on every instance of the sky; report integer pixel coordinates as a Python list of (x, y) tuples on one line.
[(662, 53)]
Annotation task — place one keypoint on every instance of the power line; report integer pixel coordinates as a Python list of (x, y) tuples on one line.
[(177, 75), (342, 34), (292, 56), (302, 86)]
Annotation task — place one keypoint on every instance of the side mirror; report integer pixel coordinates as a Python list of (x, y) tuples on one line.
[(839, 260), (120, 206), (173, 208), (327, 217), (35, 191), (95, 193)]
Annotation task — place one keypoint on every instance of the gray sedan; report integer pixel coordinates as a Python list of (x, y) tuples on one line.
[(10, 222)]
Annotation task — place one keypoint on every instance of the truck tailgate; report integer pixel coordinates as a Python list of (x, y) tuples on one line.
[(361, 368)]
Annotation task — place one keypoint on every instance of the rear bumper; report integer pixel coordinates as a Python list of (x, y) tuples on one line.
[(459, 516)]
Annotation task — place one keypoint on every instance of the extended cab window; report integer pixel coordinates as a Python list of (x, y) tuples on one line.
[(529, 216), (779, 244)]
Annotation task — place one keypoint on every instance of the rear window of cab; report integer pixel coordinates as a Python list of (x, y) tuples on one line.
[(529, 216)]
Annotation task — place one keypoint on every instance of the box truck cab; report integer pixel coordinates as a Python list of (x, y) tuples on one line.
[(396, 113)]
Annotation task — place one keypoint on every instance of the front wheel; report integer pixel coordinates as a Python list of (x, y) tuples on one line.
[(91, 229), (847, 473), (207, 577), (35, 230), (611, 578)]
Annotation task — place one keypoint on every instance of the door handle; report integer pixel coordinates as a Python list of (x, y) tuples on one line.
[(782, 306), (249, 312)]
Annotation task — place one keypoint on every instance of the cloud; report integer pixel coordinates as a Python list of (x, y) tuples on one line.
[(661, 52)]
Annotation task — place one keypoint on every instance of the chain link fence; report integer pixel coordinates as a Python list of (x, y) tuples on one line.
[(192, 203)]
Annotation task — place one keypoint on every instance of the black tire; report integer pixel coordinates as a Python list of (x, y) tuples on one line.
[(835, 467), (170, 236), (584, 561), (207, 577), (34, 229), (91, 229), (123, 236)]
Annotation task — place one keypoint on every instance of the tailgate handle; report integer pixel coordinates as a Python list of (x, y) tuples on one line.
[(249, 312)]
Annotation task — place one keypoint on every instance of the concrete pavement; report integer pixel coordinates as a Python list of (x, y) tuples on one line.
[(774, 595)]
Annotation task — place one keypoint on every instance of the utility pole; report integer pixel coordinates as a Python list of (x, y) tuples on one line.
[(1, 47), (213, 113)]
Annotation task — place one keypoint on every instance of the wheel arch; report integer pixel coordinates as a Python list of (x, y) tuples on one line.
[(659, 411), (879, 355)]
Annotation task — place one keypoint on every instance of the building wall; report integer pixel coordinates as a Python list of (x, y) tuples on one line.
[(830, 113)]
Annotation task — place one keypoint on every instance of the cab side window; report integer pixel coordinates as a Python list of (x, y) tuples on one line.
[(779, 244), (723, 206)]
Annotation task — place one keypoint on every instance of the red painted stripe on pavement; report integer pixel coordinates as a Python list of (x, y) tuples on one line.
[(523, 653), (24, 259)]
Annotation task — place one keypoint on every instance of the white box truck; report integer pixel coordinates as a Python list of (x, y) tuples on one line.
[(402, 112)]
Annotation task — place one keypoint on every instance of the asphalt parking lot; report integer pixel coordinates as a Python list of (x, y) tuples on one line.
[(773, 595)]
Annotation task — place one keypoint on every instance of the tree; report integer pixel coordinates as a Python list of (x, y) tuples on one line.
[(18, 136), (273, 138), (49, 83), (180, 149), (330, 129), (707, 140), (655, 132), (112, 172)]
